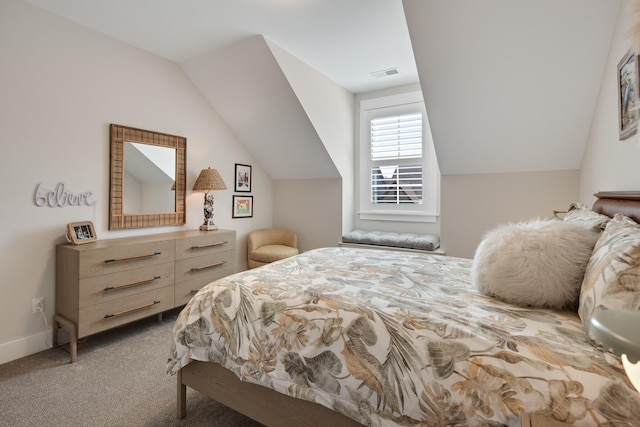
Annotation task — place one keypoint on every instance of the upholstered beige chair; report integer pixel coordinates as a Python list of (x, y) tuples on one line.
[(269, 245)]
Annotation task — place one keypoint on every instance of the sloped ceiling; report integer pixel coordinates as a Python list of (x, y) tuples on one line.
[(510, 86), (245, 84), (346, 41)]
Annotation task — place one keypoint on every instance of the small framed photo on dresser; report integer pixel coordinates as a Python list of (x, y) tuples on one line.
[(243, 178), (82, 232)]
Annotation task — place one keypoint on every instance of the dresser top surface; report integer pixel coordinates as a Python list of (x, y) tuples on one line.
[(106, 243)]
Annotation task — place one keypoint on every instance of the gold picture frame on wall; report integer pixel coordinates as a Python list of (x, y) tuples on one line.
[(628, 95)]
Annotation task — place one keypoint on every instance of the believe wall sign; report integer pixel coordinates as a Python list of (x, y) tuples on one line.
[(60, 197)]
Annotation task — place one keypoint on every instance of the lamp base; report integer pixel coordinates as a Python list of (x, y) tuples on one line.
[(208, 226), (632, 370)]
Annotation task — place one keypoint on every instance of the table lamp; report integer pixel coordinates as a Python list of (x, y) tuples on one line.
[(618, 331), (209, 180)]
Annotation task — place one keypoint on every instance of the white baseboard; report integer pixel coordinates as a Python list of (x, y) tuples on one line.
[(25, 346)]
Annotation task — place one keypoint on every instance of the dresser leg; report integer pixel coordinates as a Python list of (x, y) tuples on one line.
[(56, 326), (61, 321)]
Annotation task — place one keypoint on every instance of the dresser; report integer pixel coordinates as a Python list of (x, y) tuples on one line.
[(108, 283)]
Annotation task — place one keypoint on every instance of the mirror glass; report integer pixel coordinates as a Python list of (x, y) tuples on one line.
[(149, 175), (148, 178)]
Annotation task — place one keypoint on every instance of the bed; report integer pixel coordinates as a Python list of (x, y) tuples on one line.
[(344, 336)]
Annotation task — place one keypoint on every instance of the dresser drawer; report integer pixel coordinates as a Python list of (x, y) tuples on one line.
[(109, 314), (208, 242), (111, 259), (107, 287), (185, 290), (208, 267)]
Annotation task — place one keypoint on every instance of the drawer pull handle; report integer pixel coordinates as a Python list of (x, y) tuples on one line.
[(131, 310), (127, 285), (204, 267), (211, 245), (131, 258)]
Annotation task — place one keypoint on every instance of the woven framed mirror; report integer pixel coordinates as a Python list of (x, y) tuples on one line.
[(147, 178)]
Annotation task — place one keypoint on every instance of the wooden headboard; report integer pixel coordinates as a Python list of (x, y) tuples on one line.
[(612, 202)]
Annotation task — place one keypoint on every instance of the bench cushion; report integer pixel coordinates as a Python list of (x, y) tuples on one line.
[(425, 242)]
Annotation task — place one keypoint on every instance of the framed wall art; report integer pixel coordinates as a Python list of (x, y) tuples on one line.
[(80, 232), (628, 94), (243, 178), (242, 206)]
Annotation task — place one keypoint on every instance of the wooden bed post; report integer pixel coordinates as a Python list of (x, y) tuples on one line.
[(182, 396)]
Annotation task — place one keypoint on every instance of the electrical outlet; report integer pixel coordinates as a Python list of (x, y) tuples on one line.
[(37, 305)]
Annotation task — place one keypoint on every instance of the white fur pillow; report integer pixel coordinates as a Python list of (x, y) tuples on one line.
[(538, 263)]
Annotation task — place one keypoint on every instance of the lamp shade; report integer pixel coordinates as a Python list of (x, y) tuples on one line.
[(209, 179), (617, 331)]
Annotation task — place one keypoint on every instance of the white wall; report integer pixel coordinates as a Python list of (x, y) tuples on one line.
[(475, 203), (62, 85), (330, 109), (610, 164), (472, 204), (311, 208), (510, 86)]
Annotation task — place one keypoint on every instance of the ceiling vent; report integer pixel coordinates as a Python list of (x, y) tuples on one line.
[(384, 73)]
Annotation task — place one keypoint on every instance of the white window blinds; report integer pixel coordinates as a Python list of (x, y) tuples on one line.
[(396, 137), (396, 153)]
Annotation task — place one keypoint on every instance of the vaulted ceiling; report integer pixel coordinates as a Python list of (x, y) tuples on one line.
[(253, 96), (509, 85), (346, 40)]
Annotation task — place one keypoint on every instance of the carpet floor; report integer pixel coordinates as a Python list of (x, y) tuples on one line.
[(119, 379)]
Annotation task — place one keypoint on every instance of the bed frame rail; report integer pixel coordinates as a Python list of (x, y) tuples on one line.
[(259, 403)]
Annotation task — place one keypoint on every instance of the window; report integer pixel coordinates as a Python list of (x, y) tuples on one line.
[(396, 159), (399, 177)]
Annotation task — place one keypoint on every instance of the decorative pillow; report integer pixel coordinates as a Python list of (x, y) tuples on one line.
[(612, 276), (538, 263), (582, 214)]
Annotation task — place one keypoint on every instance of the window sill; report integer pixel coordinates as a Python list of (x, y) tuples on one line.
[(405, 216)]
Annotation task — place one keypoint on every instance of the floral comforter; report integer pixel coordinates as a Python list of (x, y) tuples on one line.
[(395, 338)]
